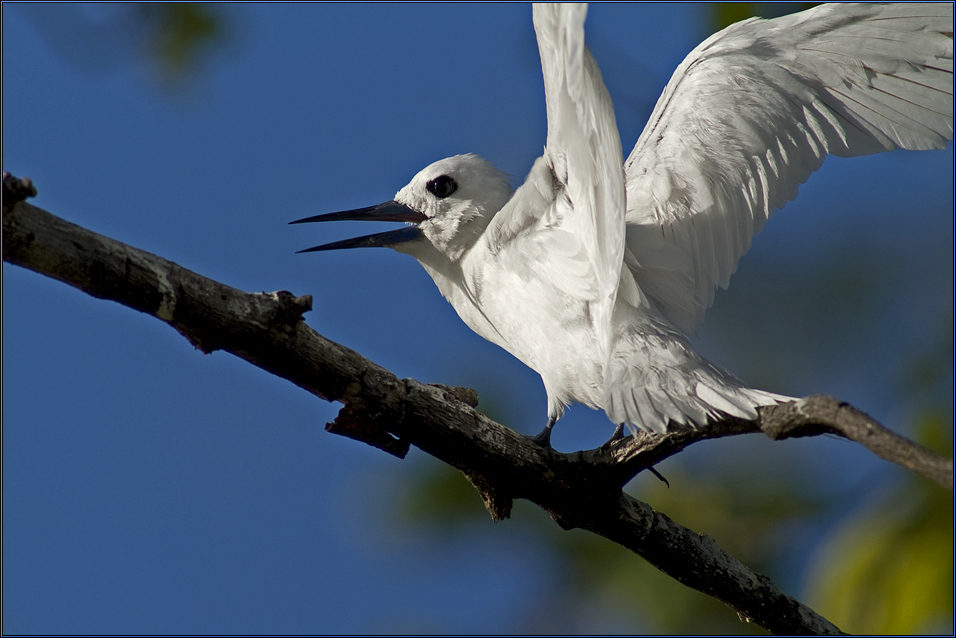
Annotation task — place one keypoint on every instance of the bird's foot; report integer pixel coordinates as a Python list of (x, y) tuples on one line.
[(543, 438), (617, 436)]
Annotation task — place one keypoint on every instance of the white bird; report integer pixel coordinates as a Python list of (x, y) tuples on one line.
[(595, 268)]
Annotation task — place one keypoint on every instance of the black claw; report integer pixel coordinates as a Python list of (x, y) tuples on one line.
[(658, 475)]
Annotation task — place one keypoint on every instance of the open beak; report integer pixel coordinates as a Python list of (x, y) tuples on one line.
[(388, 212)]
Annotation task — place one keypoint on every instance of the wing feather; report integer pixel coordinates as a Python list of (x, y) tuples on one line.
[(753, 111), (584, 150), (569, 213)]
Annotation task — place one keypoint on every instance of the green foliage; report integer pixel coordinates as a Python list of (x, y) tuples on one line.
[(173, 40), (179, 34), (726, 13), (888, 569), (596, 576)]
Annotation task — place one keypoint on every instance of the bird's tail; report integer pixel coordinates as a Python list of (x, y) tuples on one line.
[(655, 378)]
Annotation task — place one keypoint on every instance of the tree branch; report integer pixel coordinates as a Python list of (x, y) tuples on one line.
[(578, 490), (810, 416)]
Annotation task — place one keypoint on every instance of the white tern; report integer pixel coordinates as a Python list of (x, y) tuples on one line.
[(594, 270)]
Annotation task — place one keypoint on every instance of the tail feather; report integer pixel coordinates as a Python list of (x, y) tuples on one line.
[(655, 378)]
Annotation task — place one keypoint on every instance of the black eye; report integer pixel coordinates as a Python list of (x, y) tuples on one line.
[(442, 186)]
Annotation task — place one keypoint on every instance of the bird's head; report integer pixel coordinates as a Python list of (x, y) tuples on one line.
[(448, 205)]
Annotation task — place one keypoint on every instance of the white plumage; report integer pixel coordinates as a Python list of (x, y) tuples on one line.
[(595, 268)]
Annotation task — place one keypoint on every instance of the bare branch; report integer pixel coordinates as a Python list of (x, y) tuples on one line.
[(578, 490), (812, 416)]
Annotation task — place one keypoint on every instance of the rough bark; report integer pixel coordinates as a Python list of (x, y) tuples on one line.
[(581, 490)]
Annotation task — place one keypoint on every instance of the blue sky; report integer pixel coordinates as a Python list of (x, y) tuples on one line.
[(149, 488)]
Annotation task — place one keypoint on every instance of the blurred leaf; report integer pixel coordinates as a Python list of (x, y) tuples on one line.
[(179, 34), (442, 496), (889, 568), (727, 13), (175, 39), (596, 577)]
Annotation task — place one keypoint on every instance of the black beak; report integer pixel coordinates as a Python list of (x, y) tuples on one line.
[(388, 212)]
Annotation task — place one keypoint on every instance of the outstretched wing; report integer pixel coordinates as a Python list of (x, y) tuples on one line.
[(568, 216), (572, 203), (753, 111)]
